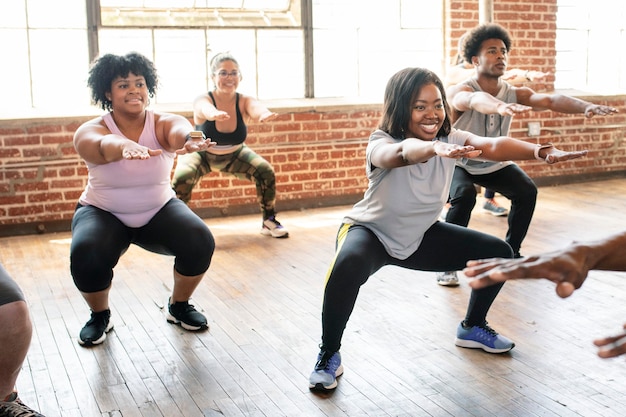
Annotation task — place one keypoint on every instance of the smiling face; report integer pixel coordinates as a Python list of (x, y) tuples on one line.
[(128, 93), (226, 76), (492, 58), (427, 113)]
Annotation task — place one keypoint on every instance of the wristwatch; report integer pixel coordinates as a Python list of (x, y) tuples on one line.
[(195, 134), (539, 148)]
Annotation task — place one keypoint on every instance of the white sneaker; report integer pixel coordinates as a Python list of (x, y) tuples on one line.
[(447, 279), (271, 227)]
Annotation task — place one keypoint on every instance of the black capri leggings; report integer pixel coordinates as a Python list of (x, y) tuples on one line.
[(445, 247), (99, 239), (9, 290)]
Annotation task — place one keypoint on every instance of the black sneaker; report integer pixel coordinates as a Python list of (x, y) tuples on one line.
[(95, 330), (16, 408), (186, 316)]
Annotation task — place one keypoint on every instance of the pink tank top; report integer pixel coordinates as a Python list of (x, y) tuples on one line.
[(132, 190)]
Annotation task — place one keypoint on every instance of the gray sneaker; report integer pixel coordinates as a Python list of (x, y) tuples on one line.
[(493, 208), (447, 279), (326, 371)]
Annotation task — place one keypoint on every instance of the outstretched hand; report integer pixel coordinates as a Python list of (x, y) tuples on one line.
[(451, 150), (195, 145), (555, 155), (267, 116), (566, 268), (133, 150), (612, 346), (220, 116), (600, 110), (511, 109)]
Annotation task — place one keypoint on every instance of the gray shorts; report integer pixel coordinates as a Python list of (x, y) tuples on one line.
[(9, 290)]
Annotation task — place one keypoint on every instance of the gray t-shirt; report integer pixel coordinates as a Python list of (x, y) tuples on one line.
[(488, 125), (400, 204)]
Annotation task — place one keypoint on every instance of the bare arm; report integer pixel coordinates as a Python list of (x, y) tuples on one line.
[(97, 145), (518, 76), (505, 148), (174, 132), (457, 74), (463, 98), (414, 151), (561, 103), (257, 111), (568, 265), (568, 268), (204, 110)]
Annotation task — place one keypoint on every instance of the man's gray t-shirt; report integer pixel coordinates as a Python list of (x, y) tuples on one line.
[(488, 125)]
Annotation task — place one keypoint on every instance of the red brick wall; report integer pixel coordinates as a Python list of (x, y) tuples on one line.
[(531, 23), (318, 157), (317, 151)]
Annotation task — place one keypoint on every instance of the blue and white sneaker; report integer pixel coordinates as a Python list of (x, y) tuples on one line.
[(482, 337), (327, 369)]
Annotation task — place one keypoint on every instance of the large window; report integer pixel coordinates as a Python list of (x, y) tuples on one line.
[(591, 38), (285, 48), (44, 56), (359, 44)]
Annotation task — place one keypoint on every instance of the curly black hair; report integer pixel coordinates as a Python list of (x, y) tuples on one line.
[(401, 92), (475, 38), (108, 67)]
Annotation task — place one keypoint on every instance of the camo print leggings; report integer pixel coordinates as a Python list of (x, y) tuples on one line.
[(243, 164)]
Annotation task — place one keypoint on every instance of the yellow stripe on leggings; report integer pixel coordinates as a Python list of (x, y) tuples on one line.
[(341, 237)]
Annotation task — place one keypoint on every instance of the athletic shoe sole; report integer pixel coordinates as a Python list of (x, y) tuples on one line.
[(277, 233), (495, 213), (322, 388), (472, 344), (99, 340), (173, 320)]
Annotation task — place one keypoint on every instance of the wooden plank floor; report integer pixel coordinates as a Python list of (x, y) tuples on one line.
[(263, 297)]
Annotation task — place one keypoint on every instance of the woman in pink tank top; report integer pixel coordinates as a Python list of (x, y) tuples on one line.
[(130, 153)]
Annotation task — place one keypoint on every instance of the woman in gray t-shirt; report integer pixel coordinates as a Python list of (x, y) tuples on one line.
[(410, 161)]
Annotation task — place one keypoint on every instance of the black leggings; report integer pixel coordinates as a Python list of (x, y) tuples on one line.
[(9, 290), (510, 181), (99, 239), (445, 247)]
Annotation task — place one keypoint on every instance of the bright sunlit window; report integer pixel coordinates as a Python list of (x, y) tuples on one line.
[(591, 38), (354, 50)]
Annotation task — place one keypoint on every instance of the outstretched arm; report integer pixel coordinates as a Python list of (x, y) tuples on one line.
[(257, 111), (567, 267), (462, 98), (179, 135), (97, 145), (562, 103), (518, 76), (414, 151), (204, 110), (505, 148)]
